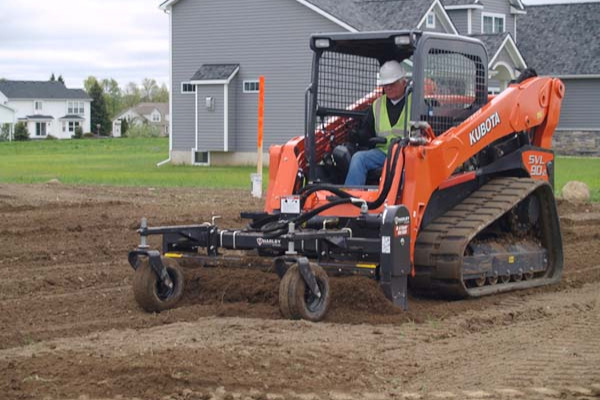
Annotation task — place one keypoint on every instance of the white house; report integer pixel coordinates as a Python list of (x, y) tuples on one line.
[(47, 108), (153, 114)]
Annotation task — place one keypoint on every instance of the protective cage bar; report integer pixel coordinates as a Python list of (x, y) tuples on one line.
[(452, 83)]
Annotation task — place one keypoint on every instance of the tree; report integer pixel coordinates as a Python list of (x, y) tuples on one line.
[(112, 96), (131, 96), (162, 95), (21, 133), (60, 79), (52, 78), (89, 82), (149, 89), (98, 109)]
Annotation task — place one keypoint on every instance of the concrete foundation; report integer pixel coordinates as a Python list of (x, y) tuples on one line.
[(219, 158), (577, 143)]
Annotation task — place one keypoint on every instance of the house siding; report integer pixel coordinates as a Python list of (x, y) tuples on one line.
[(460, 19), (580, 108), (245, 33), (496, 7), (441, 25), (211, 123)]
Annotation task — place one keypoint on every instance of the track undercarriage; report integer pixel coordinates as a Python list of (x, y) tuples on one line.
[(502, 237)]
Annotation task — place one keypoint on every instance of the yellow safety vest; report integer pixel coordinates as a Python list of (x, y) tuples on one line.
[(383, 127)]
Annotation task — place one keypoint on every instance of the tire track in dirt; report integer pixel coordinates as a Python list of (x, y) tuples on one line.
[(327, 358), (58, 331)]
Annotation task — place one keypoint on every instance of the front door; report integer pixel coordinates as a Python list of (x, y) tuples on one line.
[(40, 129)]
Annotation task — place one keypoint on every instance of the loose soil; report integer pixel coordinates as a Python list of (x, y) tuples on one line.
[(71, 329)]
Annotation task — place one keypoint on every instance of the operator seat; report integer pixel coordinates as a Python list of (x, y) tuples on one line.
[(342, 155)]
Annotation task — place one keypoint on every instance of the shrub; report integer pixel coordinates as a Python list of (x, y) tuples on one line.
[(78, 134), (143, 131), (124, 127), (5, 132), (88, 135), (50, 137), (21, 133)]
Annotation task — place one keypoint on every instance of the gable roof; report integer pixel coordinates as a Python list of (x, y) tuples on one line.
[(215, 73), (40, 90), (147, 108), (569, 47), (368, 15), (495, 43)]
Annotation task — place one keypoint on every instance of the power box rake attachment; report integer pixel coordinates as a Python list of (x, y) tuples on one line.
[(304, 290)]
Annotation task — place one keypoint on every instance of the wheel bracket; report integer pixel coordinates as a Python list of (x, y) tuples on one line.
[(155, 262), (282, 264)]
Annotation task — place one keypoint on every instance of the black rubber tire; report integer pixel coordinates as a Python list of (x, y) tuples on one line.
[(147, 287), (294, 299)]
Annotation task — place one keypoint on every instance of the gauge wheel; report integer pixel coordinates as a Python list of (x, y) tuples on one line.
[(150, 293), (296, 301)]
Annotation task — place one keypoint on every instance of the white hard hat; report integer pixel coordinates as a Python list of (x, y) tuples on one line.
[(390, 72)]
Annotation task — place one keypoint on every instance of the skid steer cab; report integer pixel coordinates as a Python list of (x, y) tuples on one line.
[(458, 209)]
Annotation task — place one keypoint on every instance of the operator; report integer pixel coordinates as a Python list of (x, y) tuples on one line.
[(385, 119)]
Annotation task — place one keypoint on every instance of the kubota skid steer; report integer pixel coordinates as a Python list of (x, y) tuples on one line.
[(463, 207)]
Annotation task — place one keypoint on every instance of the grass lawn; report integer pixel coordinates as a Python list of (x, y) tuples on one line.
[(131, 162), (582, 169), (125, 162)]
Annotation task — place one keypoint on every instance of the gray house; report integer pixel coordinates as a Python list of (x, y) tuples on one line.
[(569, 50), (219, 50)]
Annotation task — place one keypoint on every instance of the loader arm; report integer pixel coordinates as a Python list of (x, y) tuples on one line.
[(533, 104)]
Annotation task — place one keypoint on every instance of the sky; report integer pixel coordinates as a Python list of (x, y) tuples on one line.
[(127, 40)]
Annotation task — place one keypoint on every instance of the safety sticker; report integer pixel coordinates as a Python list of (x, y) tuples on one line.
[(401, 230), (386, 247)]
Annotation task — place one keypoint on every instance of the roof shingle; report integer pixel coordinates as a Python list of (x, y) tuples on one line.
[(366, 15), (212, 72), (561, 39), (40, 90)]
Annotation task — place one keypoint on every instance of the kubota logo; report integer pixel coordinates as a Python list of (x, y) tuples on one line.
[(484, 128)]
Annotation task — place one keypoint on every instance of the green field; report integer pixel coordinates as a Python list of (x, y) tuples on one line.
[(126, 162), (132, 162), (582, 169)]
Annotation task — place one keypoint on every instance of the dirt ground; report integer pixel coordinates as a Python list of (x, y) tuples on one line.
[(70, 327)]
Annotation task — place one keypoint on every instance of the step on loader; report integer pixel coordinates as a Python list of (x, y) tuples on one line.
[(463, 206)]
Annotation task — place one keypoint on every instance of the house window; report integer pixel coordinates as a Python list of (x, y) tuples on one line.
[(75, 108), (40, 129), (156, 117), (430, 23), (492, 23), (73, 125), (37, 105), (251, 86), (201, 158), (187, 87)]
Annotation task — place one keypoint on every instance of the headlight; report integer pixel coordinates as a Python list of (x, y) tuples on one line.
[(322, 43)]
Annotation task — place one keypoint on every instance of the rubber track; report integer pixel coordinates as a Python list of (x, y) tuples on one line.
[(441, 245)]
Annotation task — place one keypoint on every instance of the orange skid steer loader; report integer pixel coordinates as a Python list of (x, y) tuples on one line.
[(463, 206)]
